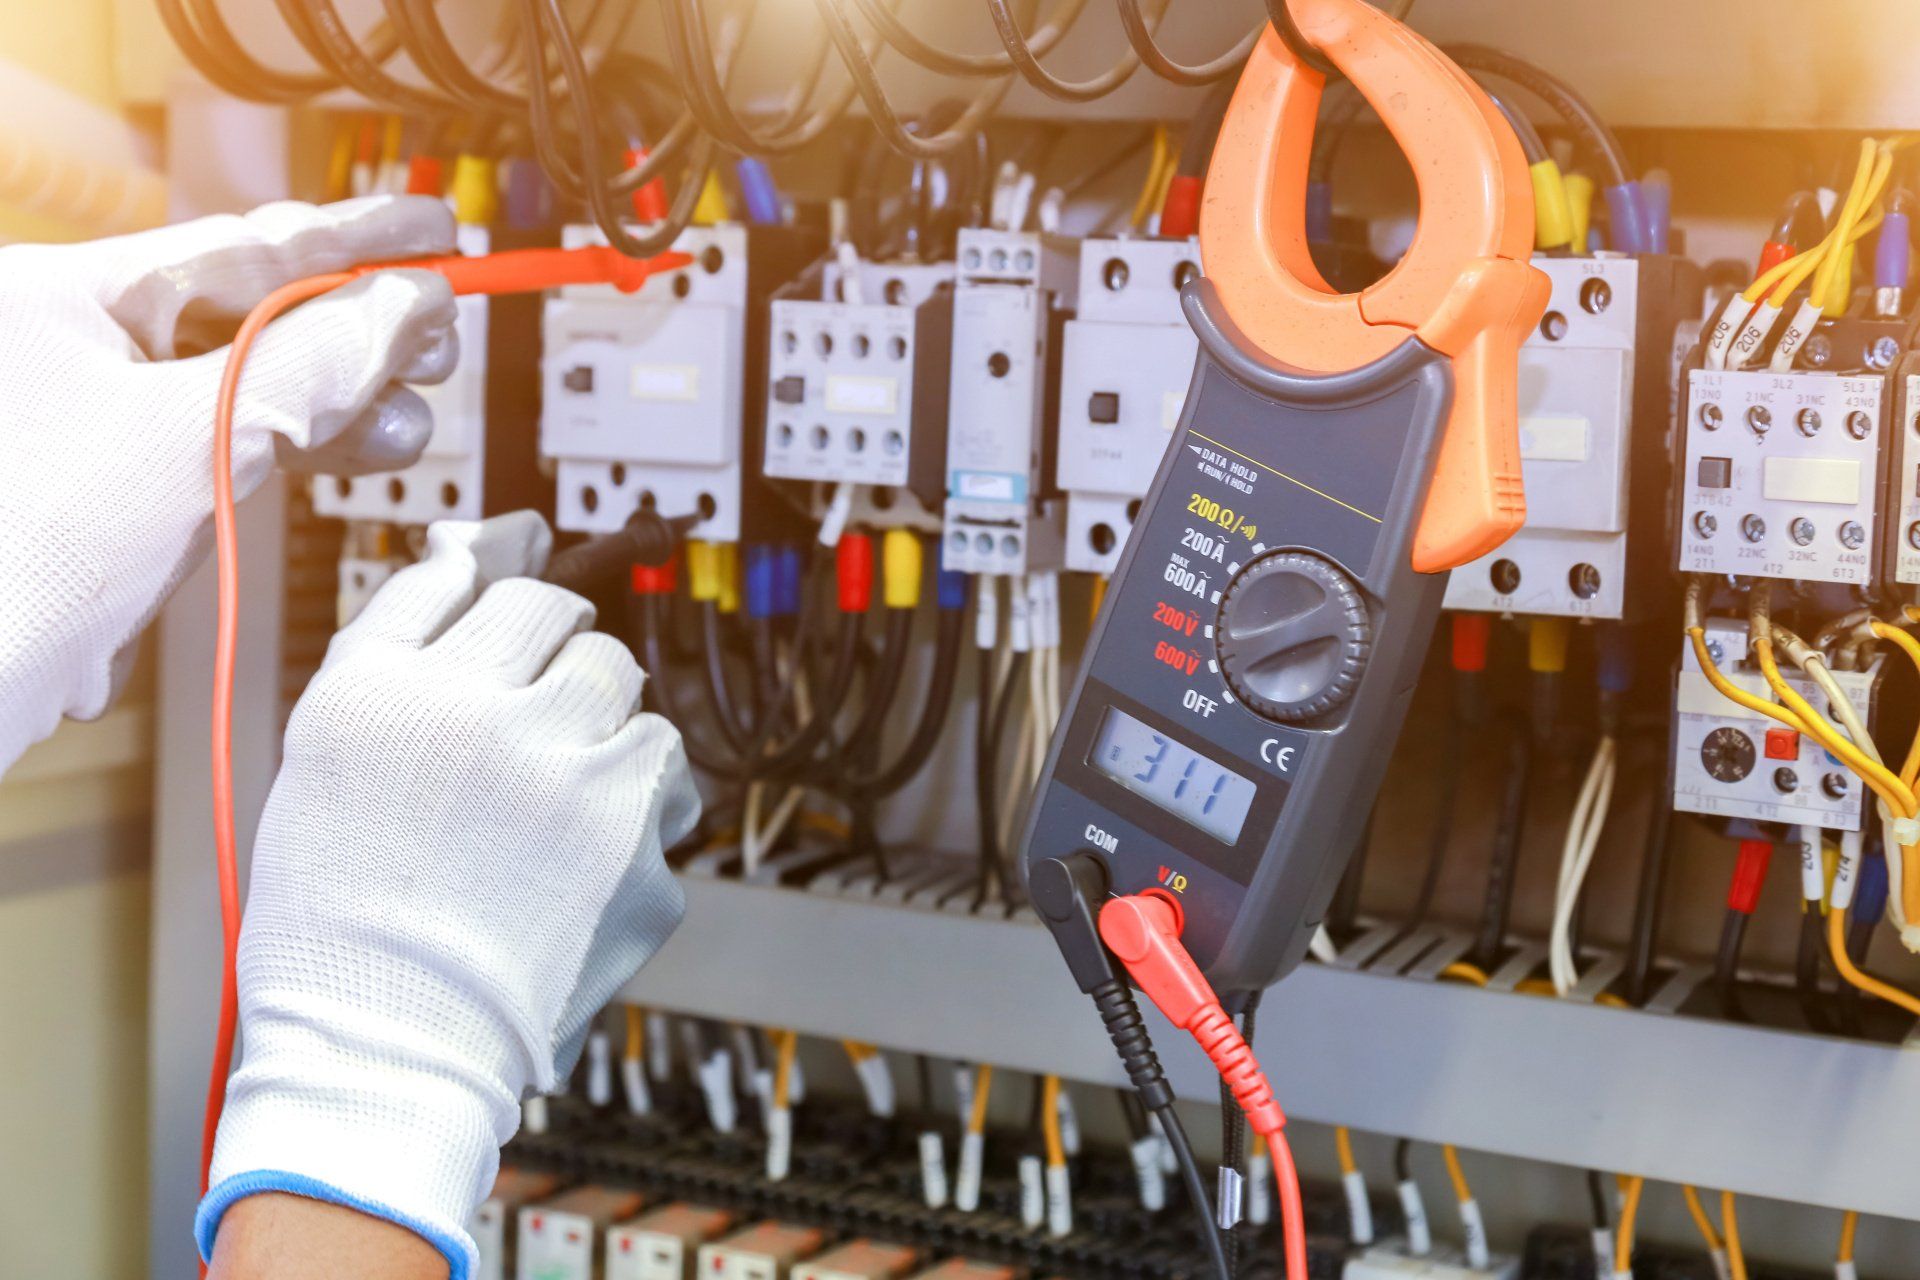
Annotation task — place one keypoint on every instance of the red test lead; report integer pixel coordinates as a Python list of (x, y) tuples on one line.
[(1143, 932)]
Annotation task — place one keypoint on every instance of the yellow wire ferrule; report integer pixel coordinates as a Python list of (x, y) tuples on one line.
[(902, 568), (1552, 218), (476, 191)]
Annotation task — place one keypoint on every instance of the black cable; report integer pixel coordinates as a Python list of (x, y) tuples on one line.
[(719, 681), (646, 613), (1859, 941), (859, 66), (1556, 93), (1403, 1160), (942, 688), (990, 720), (1806, 968), (1649, 903), (1020, 52), (1176, 1135), (1597, 1201), (209, 44), (826, 711), (425, 40), (1522, 127), (1726, 965), (317, 25), (1155, 59), (1203, 131), (1441, 837), (1233, 1133), (1280, 13), (1509, 834), (913, 48)]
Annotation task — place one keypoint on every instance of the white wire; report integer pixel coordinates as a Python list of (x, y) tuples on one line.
[(1576, 855)]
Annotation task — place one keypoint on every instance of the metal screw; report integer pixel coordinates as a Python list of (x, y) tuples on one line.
[(1752, 528), (1786, 781), (1808, 420), (1024, 260), (1883, 353), (972, 260), (1835, 785), (1705, 523), (1710, 416), (1818, 351), (1760, 418), (1859, 424), (1801, 530), (1852, 535), (1913, 535), (1717, 652)]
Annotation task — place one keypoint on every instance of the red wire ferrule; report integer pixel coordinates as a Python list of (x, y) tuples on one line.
[(1772, 256), (853, 566), (1471, 634), (425, 176), (1142, 931), (1749, 874), (1180, 211), (650, 200), (656, 579)]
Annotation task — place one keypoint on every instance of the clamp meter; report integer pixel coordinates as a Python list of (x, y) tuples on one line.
[(1258, 648)]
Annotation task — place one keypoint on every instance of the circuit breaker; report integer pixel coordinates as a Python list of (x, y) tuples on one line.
[(1126, 360), (1902, 540), (647, 397), (1734, 763), (480, 460), (1593, 417), (1003, 514), (1782, 475), (857, 377)]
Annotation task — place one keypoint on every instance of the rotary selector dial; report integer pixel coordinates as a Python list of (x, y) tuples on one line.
[(1293, 636)]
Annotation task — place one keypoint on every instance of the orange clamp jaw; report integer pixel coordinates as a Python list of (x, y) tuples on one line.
[(1465, 287), (534, 270)]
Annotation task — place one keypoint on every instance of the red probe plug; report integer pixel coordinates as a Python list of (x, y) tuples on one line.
[(1749, 876), (1143, 932)]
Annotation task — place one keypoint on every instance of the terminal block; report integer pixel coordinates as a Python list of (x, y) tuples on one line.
[(646, 396), (1902, 540), (662, 1245), (1003, 512), (765, 1251), (1126, 361), (857, 390), (1781, 476), (482, 457), (1596, 386), (562, 1238), (1733, 763)]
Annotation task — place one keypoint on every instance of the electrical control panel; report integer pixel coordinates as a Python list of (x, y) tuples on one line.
[(1125, 364), (647, 397), (561, 1238), (479, 461), (857, 389), (765, 1251), (1734, 763), (1002, 514), (662, 1244), (1782, 475), (1593, 415)]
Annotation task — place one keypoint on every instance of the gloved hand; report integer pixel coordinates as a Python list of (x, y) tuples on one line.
[(460, 863), (106, 427)]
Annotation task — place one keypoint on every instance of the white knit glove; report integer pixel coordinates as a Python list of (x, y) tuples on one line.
[(106, 426), (460, 863)]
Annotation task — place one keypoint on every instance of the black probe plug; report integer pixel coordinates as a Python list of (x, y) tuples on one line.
[(1067, 893), (649, 538)]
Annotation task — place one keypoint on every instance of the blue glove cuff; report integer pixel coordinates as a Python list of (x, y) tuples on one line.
[(459, 1251)]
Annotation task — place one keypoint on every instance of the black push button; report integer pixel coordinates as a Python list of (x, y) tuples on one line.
[(579, 378), (1716, 473), (1104, 407), (791, 389)]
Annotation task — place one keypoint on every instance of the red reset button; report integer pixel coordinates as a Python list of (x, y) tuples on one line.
[(1783, 744)]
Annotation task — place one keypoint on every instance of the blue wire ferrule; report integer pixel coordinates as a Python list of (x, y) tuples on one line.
[(950, 588), (757, 191), (762, 580), (787, 571), (1627, 218)]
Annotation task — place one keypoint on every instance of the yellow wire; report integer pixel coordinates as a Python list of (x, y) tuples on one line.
[(1168, 168), (1736, 1257), (1728, 689), (857, 1051), (1343, 1144), (982, 1087), (1629, 1215), (1050, 1121), (1848, 1225), (1143, 205), (1455, 1174), (1698, 1212), (1888, 787), (788, 1042), (636, 1033), (1829, 279), (1837, 944), (1466, 973), (1803, 264), (1910, 771)]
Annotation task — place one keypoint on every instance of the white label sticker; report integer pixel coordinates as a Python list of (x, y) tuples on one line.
[(779, 1143), (1148, 1174), (664, 382), (966, 1185), (1834, 481), (1059, 1201), (847, 394), (933, 1170), (1557, 438), (1033, 1193), (1359, 1209), (634, 1078), (1413, 1207)]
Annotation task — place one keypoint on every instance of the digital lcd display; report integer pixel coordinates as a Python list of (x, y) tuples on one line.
[(1172, 775)]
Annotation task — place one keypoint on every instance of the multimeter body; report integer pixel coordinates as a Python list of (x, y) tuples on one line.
[(1220, 743)]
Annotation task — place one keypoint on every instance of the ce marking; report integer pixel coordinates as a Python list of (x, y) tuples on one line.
[(1271, 752)]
